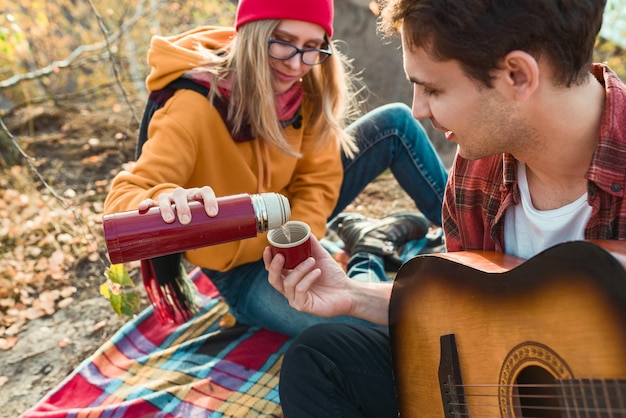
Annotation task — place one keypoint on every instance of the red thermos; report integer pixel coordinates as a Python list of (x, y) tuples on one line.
[(132, 236)]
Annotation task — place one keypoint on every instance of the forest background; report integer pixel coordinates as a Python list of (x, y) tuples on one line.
[(71, 96)]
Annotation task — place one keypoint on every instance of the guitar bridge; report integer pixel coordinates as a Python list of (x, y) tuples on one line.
[(450, 381)]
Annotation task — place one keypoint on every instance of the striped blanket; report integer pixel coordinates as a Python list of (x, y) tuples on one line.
[(197, 369)]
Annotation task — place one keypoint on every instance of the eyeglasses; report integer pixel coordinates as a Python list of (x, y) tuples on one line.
[(282, 50)]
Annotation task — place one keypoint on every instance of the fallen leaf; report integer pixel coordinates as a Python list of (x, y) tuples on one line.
[(16, 327), (99, 325), (8, 343), (64, 303), (7, 302), (93, 159), (64, 342), (34, 313), (57, 258), (68, 291), (93, 257), (228, 320)]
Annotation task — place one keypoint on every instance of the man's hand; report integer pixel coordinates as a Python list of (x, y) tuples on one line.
[(318, 285)]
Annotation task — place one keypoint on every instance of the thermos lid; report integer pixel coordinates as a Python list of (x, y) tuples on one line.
[(278, 209)]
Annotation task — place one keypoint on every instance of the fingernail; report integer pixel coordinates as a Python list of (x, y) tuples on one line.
[(185, 219)]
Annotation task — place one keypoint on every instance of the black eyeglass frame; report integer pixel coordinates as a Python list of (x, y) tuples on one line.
[(327, 52)]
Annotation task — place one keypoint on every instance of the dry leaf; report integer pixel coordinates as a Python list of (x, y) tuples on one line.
[(7, 302), (67, 291), (34, 313), (98, 326), (8, 343), (64, 342), (64, 303), (228, 320), (57, 258)]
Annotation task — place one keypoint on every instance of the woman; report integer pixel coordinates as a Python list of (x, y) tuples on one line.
[(281, 95)]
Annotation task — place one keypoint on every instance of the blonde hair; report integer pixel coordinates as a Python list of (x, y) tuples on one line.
[(329, 89)]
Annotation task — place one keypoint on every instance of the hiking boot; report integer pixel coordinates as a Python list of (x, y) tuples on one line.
[(343, 218), (383, 237), (335, 224)]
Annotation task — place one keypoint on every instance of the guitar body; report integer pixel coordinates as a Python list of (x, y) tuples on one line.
[(482, 334)]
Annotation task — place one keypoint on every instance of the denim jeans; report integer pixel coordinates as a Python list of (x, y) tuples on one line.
[(388, 138)]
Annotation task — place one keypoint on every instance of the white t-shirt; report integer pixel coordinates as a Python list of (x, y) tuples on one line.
[(528, 231)]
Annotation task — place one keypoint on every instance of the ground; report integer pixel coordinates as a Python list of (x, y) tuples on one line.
[(77, 151)]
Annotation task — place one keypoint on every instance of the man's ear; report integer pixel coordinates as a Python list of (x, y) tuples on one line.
[(520, 74)]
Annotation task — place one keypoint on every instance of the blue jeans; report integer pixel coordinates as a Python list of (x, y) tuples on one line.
[(388, 138)]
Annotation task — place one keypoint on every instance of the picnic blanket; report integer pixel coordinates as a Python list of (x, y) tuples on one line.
[(201, 368)]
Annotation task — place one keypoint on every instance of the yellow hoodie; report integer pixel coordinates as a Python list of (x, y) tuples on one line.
[(190, 146)]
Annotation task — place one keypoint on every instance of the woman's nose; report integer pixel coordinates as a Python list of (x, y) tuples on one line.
[(295, 61)]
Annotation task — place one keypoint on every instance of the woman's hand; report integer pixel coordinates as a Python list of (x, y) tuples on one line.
[(318, 285), (180, 198)]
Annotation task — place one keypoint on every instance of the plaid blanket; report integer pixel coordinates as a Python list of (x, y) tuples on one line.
[(196, 369)]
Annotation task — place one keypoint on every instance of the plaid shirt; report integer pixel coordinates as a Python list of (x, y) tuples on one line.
[(479, 192)]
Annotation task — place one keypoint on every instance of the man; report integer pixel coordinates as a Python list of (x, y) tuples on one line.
[(541, 137)]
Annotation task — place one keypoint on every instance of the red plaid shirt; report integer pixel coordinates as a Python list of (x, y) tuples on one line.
[(479, 192)]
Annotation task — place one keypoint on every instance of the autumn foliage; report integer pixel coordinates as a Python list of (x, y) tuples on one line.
[(76, 57)]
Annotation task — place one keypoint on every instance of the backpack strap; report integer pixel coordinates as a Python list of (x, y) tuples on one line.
[(157, 99)]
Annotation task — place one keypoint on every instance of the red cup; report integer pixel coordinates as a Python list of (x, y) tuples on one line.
[(292, 240)]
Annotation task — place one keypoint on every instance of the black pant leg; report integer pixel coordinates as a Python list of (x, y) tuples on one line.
[(338, 370)]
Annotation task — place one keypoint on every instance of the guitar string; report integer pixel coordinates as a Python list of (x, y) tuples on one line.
[(572, 399), (610, 411), (615, 402), (499, 413)]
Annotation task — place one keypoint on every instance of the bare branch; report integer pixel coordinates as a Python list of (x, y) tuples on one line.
[(61, 199), (114, 65), (97, 47), (57, 98)]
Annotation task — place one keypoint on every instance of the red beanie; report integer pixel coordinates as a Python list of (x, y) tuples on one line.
[(319, 12)]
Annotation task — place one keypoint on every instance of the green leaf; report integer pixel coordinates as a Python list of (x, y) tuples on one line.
[(116, 304), (130, 304), (122, 303), (117, 274), (104, 290)]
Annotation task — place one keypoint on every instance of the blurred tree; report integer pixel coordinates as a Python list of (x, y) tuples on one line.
[(52, 49), (91, 51), (614, 27), (94, 51), (613, 54)]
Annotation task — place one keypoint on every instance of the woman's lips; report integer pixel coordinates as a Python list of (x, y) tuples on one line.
[(285, 77)]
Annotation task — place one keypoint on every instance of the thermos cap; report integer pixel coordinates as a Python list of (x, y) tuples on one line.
[(277, 209)]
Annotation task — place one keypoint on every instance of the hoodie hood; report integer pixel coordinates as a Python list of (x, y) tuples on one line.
[(171, 56)]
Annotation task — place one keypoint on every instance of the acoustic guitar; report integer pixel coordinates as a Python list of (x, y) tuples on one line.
[(481, 334)]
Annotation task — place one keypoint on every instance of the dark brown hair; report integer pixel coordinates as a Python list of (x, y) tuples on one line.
[(479, 33)]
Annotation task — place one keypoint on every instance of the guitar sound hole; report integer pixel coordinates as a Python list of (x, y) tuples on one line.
[(536, 394)]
